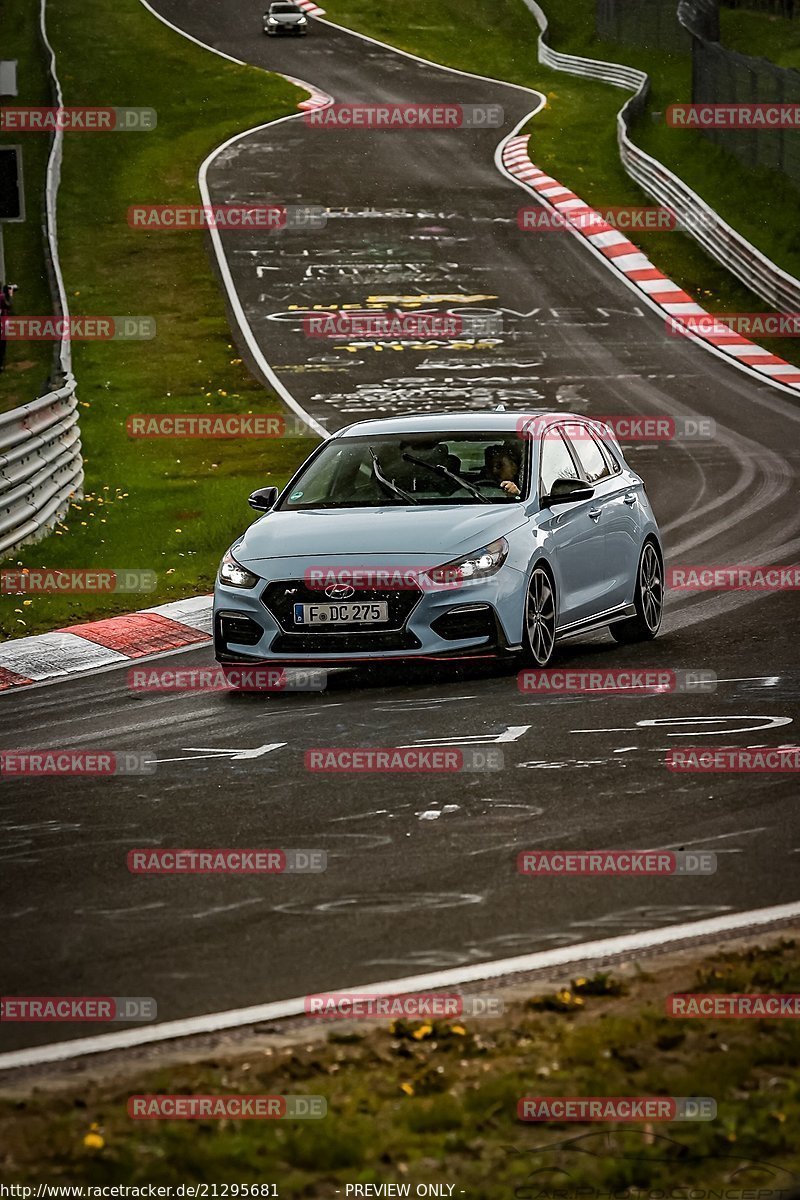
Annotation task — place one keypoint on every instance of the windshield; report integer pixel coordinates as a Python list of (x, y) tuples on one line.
[(284, 8), (413, 469)]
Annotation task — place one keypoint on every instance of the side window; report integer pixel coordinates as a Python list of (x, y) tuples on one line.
[(609, 456), (555, 463), (593, 462)]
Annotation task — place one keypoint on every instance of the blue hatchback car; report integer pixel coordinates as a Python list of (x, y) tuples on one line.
[(447, 535)]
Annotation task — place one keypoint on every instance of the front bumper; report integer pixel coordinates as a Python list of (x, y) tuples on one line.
[(256, 625)]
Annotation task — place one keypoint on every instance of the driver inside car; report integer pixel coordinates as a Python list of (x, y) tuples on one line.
[(504, 464)]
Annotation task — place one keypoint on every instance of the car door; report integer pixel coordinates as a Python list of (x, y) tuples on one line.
[(573, 537), (616, 500)]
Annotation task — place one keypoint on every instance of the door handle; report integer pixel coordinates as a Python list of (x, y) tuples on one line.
[(630, 498), (595, 513)]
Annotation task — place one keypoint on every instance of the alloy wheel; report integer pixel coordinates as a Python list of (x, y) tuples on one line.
[(651, 587), (540, 617)]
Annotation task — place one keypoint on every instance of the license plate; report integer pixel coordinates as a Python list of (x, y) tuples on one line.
[(349, 613)]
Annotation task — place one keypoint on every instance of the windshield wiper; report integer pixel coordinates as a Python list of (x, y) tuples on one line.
[(388, 485), (448, 474)]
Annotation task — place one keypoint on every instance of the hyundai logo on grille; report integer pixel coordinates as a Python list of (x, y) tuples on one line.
[(339, 591)]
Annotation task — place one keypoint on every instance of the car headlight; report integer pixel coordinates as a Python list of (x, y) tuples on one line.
[(303, 21), (477, 565), (234, 574), (271, 21)]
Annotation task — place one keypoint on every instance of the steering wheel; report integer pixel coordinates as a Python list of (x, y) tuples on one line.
[(494, 486)]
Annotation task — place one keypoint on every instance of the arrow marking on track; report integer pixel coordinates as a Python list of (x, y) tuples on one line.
[(511, 734), (234, 755)]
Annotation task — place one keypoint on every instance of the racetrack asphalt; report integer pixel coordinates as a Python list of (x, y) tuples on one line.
[(422, 869)]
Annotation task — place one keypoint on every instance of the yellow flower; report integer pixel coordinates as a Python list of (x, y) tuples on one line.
[(94, 1140), (408, 1088), (459, 1029), (422, 1032)]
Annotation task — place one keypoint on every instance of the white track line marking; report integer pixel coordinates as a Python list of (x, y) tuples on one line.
[(216, 241), (230, 287), (236, 1018), (712, 837), (190, 38), (227, 279)]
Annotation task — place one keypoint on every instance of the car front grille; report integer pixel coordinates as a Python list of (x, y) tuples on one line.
[(280, 597), (372, 642)]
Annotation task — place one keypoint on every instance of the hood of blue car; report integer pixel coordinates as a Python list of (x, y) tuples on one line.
[(433, 534)]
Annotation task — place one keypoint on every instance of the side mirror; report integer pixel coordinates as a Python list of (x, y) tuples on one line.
[(263, 499), (565, 491)]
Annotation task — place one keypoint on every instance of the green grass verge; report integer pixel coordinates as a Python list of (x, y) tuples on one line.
[(574, 137), (27, 366), (437, 1102), (763, 35), (172, 506)]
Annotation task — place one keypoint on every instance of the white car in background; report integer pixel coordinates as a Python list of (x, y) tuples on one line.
[(285, 17)]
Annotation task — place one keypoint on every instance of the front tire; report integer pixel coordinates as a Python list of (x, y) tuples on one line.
[(539, 634), (648, 599)]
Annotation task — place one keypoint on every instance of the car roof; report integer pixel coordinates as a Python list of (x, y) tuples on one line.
[(464, 421)]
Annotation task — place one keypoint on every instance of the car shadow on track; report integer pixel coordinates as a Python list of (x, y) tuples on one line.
[(598, 650)]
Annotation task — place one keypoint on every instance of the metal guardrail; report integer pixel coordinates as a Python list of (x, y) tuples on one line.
[(744, 260), (41, 467)]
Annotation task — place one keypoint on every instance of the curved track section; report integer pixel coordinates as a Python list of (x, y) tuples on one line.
[(421, 875)]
